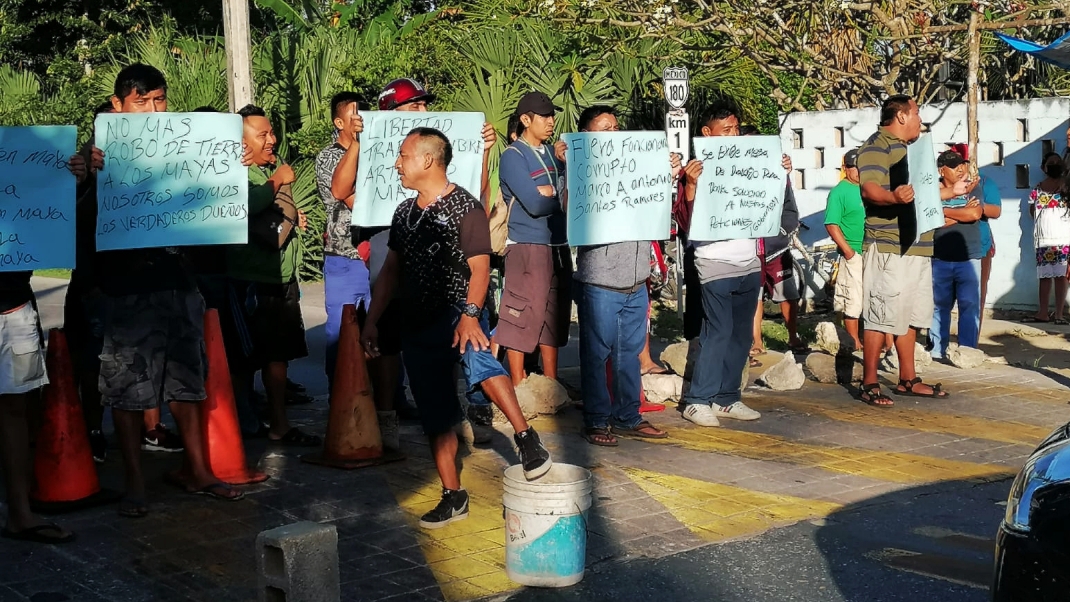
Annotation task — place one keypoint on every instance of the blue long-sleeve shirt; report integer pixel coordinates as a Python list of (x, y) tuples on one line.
[(535, 218)]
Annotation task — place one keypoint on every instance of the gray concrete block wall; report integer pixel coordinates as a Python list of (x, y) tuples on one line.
[(298, 563)]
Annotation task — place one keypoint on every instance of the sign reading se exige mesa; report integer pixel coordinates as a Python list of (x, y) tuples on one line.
[(171, 179), (741, 189), (619, 187)]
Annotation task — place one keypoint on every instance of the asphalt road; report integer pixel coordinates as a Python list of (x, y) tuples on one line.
[(930, 544)]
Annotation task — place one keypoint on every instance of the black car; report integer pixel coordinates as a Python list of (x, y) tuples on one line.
[(1033, 544)]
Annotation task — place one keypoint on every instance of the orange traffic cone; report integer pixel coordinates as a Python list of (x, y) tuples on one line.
[(219, 416), (65, 478), (353, 439), (644, 406)]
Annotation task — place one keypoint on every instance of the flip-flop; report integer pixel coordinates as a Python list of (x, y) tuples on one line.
[(1060, 322), (607, 439), (37, 534), (637, 431), (212, 491), (133, 508), (757, 352)]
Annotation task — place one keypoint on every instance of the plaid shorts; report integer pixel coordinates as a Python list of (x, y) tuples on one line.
[(153, 350)]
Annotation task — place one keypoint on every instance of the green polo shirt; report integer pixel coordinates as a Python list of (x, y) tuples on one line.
[(255, 261), (883, 160)]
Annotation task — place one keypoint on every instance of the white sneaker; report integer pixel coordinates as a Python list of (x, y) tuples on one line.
[(701, 414), (739, 411)]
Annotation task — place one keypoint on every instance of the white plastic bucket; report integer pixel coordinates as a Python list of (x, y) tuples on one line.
[(546, 525)]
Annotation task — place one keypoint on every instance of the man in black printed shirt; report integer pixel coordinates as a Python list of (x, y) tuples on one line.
[(440, 255)]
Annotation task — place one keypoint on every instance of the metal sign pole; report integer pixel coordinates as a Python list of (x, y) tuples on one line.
[(676, 85)]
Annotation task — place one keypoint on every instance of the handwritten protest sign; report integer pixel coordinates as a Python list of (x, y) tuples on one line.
[(171, 179), (37, 196), (379, 189), (741, 189), (924, 177), (619, 187)]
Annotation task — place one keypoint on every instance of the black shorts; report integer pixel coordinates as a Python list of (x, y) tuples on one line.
[(273, 318), (389, 327)]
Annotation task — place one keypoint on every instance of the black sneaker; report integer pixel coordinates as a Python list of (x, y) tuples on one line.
[(99, 444), (533, 455), (161, 440), (453, 507)]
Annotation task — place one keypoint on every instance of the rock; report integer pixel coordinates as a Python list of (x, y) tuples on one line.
[(828, 338), (785, 376), (541, 394), (965, 357), (821, 367), (680, 357), (922, 360), (660, 388), (1028, 332)]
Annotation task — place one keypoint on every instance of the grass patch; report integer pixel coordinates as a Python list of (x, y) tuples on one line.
[(54, 273)]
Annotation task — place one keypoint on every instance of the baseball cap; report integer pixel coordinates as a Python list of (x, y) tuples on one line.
[(850, 158), (950, 159), (538, 103)]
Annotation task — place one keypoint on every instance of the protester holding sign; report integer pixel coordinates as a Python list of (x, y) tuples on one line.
[(956, 261), (345, 273), (536, 298), (154, 331), (897, 272), (264, 275), (613, 303), (439, 260), (728, 274)]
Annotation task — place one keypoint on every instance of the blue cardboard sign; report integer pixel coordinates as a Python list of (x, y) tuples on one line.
[(379, 190), (925, 178), (619, 187), (171, 179), (37, 197), (741, 189)]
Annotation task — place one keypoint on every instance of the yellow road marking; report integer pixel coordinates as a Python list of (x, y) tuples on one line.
[(916, 420), (467, 558), (886, 466), (717, 512)]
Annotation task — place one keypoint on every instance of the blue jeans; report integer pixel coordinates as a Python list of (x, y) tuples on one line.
[(725, 341), (612, 327), (956, 281), (345, 281)]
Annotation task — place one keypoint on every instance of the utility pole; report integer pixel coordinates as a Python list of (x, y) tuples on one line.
[(972, 91), (239, 53)]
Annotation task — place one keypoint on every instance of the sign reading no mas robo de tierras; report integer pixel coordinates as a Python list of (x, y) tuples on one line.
[(619, 187), (741, 189), (36, 197), (171, 179), (379, 190)]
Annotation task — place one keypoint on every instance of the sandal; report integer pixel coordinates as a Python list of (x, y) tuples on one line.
[(600, 436), (908, 389), (133, 508), (1060, 322), (755, 363), (213, 491), (39, 534), (643, 430), (295, 438), (871, 394)]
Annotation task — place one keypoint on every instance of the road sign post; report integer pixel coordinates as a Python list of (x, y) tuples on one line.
[(676, 83)]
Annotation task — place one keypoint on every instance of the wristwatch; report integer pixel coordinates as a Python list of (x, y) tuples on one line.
[(472, 310)]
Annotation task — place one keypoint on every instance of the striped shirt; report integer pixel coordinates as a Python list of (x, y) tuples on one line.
[(883, 160)]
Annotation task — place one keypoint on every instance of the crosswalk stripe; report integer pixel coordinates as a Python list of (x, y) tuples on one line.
[(716, 512)]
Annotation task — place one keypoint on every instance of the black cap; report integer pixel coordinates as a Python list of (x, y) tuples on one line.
[(538, 103), (949, 158), (850, 158)]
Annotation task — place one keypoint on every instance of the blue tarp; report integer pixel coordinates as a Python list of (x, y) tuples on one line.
[(1057, 53)]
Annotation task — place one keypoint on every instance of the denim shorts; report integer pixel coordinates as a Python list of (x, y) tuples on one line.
[(430, 358)]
